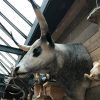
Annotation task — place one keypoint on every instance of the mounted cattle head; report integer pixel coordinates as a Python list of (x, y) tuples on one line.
[(41, 55)]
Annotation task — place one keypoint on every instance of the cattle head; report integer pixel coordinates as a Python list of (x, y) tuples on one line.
[(41, 55)]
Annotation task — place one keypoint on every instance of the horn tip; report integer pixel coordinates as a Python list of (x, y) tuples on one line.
[(35, 6)]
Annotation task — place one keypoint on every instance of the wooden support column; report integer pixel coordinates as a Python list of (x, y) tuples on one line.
[(54, 91)]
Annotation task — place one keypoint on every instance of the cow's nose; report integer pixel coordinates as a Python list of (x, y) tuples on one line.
[(15, 71)]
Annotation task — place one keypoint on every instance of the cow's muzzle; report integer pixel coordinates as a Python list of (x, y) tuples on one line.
[(17, 73)]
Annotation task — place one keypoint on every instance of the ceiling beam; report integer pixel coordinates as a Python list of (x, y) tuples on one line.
[(5, 64), (14, 26), (4, 67), (10, 46), (17, 12), (69, 17), (6, 59), (11, 50)]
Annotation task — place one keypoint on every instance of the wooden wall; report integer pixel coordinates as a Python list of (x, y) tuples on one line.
[(89, 35), (79, 29), (93, 45)]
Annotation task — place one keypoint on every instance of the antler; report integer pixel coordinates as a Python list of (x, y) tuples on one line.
[(42, 22), (22, 47)]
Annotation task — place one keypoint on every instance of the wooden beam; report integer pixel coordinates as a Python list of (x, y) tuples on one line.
[(96, 54), (69, 17), (86, 34), (93, 43)]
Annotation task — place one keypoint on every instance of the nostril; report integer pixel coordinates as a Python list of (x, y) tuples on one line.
[(15, 71)]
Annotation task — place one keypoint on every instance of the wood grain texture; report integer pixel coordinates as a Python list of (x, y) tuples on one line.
[(87, 33), (96, 54), (93, 43), (69, 17)]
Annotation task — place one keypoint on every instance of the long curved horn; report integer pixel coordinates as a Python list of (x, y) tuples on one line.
[(22, 47), (42, 22)]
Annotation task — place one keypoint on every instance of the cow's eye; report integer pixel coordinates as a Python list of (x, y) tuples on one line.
[(37, 51)]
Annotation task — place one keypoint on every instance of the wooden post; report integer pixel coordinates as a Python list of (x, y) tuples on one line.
[(54, 91), (39, 93)]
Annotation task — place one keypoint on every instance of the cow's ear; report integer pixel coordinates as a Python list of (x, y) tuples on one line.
[(50, 40)]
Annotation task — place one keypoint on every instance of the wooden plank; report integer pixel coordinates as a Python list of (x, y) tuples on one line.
[(93, 42), (77, 31), (69, 17), (87, 33), (96, 54), (76, 27)]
